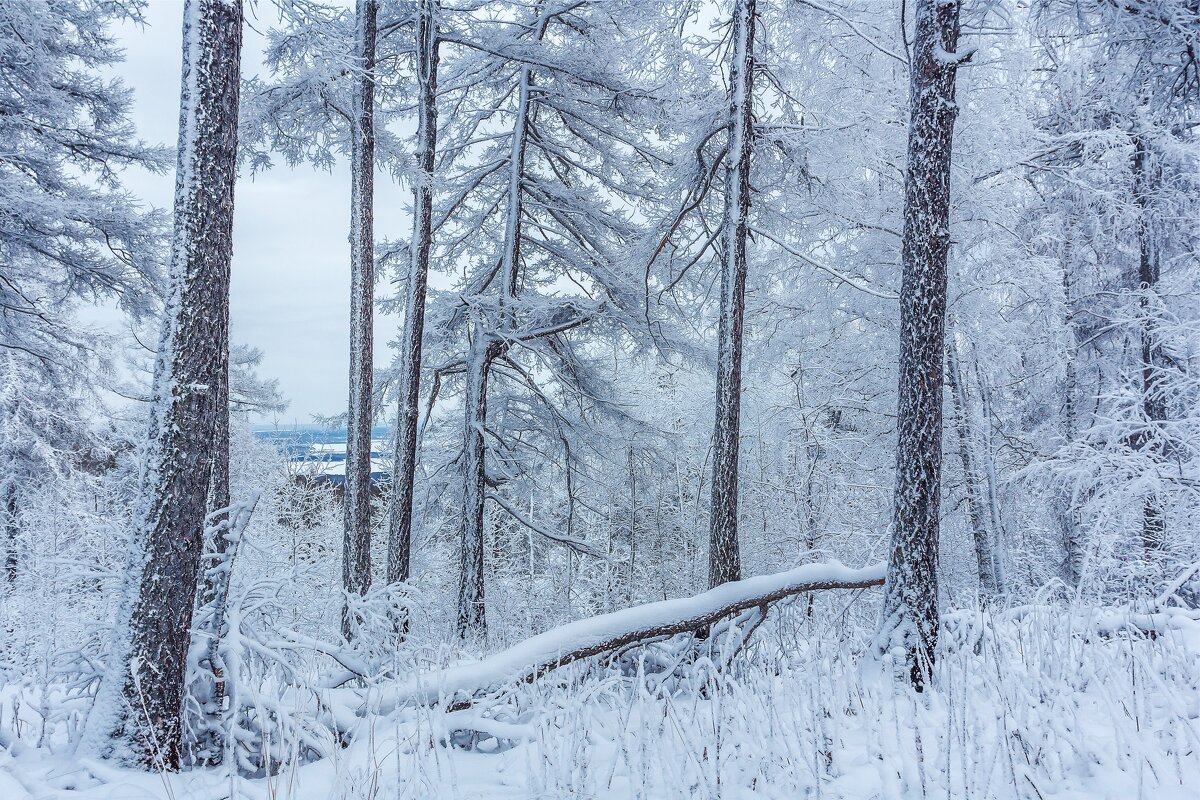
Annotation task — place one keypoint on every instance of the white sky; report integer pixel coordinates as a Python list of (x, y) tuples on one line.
[(291, 270)]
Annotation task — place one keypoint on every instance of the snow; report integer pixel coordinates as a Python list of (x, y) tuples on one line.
[(521, 659), (1021, 708)]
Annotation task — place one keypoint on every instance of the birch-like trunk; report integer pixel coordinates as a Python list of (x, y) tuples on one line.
[(910, 613), (724, 558), (356, 540), (150, 664), (978, 514), (405, 462)]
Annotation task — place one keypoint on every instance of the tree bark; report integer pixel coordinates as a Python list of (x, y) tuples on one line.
[(1145, 182), (356, 541), (1068, 513), (204, 744), (485, 347), (724, 558), (910, 614), (178, 468), (472, 617), (11, 532), (405, 462)]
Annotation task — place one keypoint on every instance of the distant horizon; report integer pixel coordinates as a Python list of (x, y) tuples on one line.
[(267, 427)]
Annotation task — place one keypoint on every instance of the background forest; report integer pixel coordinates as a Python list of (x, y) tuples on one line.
[(681, 274)]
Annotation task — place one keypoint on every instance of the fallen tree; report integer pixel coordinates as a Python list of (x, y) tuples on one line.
[(608, 633)]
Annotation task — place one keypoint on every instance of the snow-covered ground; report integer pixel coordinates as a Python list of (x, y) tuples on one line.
[(1043, 702)]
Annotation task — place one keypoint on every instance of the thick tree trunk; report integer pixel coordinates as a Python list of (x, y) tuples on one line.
[(218, 482), (1145, 181), (978, 514), (724, 558), (142, 704), (204, 742), (405, 462), (356, 540), (910, 614)]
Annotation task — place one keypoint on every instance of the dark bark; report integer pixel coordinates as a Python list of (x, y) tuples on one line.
[(11, 532), (405, 463), (1145, 182), (205, 745), (1068, 514), (189, 376), (356, 540), (910, 614), (472, 617), (724, 559), (485, 348)]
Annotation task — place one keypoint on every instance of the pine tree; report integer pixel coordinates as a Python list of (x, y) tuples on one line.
[(910, 614), (724, 559), (412, 338), (356, 547), (537, 181), (69, 232), (140, 704)]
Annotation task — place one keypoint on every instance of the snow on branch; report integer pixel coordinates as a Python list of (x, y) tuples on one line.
[(528, 660), (573, 542)]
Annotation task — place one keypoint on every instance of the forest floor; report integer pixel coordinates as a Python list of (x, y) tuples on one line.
[(1039, 702)]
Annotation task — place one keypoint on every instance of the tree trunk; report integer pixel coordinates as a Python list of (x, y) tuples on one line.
[(405, 462), (1145, 183), (988, 474), (204, 743), (724, 558), (910, 613), (472, 619), (1068, 515), (977, 507), (11, 531), (485, 347), (609, 633), (150, 656), (356, 541)]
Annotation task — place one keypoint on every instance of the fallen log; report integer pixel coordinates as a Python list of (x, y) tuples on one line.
[(605, 633)]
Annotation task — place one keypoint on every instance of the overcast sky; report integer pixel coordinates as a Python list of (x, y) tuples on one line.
[(291, 269)]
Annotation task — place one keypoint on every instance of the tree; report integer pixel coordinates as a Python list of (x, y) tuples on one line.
[(539, 173), (69, 233), (41, 441), (1116, 169), (979, 507), (724, 559), (356, 549), (315, 109), (404, 465), (140, 703), (910, 613)]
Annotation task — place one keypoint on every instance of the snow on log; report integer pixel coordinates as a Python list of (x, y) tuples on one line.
[(605, 633)]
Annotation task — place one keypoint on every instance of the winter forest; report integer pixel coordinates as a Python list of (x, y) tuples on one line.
[(743, 398)]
